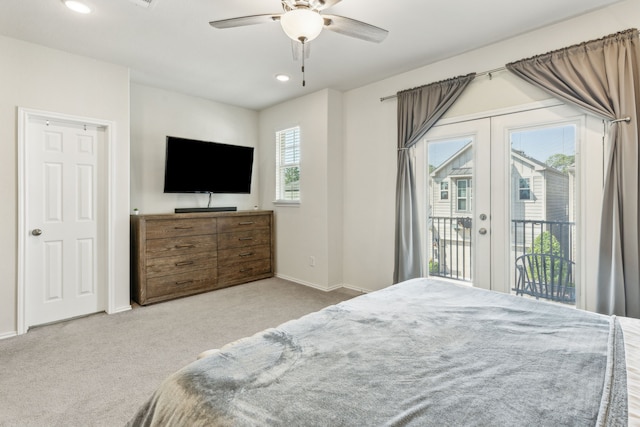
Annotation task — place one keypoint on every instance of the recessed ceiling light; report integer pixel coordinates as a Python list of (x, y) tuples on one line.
[(77, 6), (282, 77)]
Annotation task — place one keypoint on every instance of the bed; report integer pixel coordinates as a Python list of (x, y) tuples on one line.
[(420, 353)]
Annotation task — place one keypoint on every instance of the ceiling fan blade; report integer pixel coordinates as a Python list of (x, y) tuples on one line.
[(245, 20), (296, 50), (352, 28), (322, 4)]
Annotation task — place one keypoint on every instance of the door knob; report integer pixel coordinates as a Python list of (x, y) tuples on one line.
[(36, 232), (482, 231)]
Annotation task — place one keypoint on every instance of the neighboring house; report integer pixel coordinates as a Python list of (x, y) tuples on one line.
[(539, 193), (451, 185)]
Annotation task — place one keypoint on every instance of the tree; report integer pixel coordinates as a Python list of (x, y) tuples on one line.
[(546, 243), (291, 175), (560, 161)]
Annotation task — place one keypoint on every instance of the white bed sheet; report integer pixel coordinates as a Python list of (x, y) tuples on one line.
[(631, 331)]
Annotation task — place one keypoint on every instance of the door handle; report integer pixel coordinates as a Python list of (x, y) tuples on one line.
[(36, 232), (482, 231)]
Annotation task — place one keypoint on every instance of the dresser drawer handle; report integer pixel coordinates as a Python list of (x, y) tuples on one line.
[(246, 223), (184, 282), (245, 238), (244, 270), (245, 254), (182, 228), (185, 246), (180, 264)]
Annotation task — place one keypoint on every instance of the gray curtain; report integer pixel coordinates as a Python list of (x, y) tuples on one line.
[(418, 110), (602, 77)]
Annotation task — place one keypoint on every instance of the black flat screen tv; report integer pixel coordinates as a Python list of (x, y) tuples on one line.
[(193, 166)]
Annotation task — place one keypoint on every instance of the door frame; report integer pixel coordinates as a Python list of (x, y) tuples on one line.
[(591, 158), (106, 256)]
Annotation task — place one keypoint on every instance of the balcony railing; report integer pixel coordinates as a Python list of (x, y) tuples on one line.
[(450, 253), (547, 237)]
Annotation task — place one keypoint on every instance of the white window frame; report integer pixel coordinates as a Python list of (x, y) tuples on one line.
[(287, 157), (527, 188), (444, 191), (467, 197)]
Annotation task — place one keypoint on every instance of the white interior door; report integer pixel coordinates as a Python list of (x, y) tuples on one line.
[(62, 221)]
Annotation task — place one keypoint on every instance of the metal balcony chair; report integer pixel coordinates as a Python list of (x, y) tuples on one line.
[(545, 276)]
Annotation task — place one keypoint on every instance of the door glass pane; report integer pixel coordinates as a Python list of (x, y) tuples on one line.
[(450, 208), (543, 194)]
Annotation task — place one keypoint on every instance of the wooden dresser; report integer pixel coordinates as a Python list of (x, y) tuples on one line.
[(174, 255)]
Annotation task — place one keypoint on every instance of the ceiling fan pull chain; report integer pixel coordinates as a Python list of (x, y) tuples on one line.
[(302, 40)]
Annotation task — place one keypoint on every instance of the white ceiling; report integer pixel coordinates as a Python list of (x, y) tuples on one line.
[(171, 44)]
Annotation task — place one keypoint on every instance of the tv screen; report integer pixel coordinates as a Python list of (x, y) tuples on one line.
[(193, 166)]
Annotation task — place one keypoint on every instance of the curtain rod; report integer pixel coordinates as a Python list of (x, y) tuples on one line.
[(484, 73)]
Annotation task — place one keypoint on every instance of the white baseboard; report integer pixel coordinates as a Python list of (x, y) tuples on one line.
[(8, 335), (322, 288), (302, 282), (356, 289), (120, 309)]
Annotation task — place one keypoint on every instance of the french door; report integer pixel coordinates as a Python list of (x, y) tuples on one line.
[(456, 181), (503, 190)]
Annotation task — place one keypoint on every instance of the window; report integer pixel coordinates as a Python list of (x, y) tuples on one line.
[(464, 195), (524, 188), (288, 165), (444, 190)]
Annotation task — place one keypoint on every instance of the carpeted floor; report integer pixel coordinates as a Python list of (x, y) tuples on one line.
[(97, 370)]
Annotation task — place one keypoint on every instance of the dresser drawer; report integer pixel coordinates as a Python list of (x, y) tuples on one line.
[(244, 271), (244, 254), (164, 228), (162, 266), (182, 245), (244, 238), (231, 224), (181, 284)]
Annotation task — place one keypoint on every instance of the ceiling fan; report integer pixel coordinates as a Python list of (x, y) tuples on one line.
[(302, 21)]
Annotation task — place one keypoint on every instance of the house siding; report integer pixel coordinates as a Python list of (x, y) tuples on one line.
[(557, 184)]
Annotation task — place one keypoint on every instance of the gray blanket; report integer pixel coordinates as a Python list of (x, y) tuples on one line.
[(421, 353)]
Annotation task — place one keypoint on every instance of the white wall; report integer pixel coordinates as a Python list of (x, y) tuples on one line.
[(335, 195), (314, 227), (156, 113), (370, 130), (39, 78)]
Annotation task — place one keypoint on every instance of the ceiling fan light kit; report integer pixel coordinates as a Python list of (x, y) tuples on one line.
[(302, 24)]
